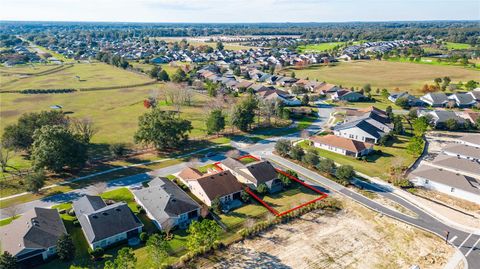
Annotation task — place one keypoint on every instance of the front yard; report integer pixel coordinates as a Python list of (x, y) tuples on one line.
[(377, 163)]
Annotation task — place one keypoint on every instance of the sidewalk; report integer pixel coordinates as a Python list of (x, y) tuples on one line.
[(456, 261), (429, 207)]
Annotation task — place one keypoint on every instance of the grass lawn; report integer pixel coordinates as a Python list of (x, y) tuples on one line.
[(430, 61), (235, 218), (248, 160), (377, 164), (7, 221), (294, 196), (89, 75), (457, 46), (319, 47), (384, 74)]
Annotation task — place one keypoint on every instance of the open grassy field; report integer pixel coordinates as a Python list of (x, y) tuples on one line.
[(319, 47), (385, 74), (377, 164), (82, 75), (197, 42), (457, 46)]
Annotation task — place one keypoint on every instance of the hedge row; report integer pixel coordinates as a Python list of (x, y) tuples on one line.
[(44, 91)]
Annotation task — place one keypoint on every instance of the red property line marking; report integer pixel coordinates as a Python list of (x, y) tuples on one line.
[(271, 209), (217, 166), (248, 156), (279, 214)]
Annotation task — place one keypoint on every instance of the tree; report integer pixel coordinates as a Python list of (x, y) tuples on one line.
[(415, 146), (326, 166), (220, 45), (389, 112), (297, 153), (385, 93), (163, 76), (65, 247), (154, 72), (305, 100), (202, 234), (420, 126), (402, 102), (20, 135), (215, 122), (212, 88), (157, 249), (6, 155), (437, 81), (216, 205), (367, 88), (345, 172), (244, 113), (84, 128), (262, 188), (311, 158), (8, 261), (125, 260), (398, 125), (179, 76), (244, 196), (55, 147), (471, 84), (292, 74), (163, 129), (283, 147), (451, 124), (286, 181), (35, 181)]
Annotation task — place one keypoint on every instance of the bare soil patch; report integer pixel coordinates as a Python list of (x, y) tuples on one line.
[(354, 238)]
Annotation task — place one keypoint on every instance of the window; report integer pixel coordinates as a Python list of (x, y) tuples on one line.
[(452, 189), (427, 181)]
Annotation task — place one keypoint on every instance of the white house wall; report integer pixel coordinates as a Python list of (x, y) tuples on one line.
[(433, 185)]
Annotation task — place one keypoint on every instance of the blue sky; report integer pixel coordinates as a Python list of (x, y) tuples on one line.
[(238, 10)]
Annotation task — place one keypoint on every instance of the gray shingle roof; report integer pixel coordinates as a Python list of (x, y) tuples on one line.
[(448, 178), (465, 150), (457, 164), (262, 171), (106, 221), (38, 228), (363, 125), (163, 199)]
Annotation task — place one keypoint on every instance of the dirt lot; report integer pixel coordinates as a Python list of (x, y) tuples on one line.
[(353, 238)]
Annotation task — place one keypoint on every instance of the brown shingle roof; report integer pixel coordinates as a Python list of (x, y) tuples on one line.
[(189, 173), (219, 184), (341, 142)]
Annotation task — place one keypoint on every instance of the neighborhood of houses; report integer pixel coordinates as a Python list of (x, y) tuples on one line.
[(32, 238)]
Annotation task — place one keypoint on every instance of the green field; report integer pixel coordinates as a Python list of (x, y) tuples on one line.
[(319, 47), (196, 42), (384, 74), (78, 76), (457, 46), (431, 61)]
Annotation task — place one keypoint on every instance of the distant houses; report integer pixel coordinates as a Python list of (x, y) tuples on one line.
[(104, 225), (33, 237), (341, 145)]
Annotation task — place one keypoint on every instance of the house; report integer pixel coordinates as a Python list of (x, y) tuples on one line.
[(439, 118), (188, 173), (435, 99), (379, 120), (167, 204), (455, 164), (274, 94), (359, 130), (475, 94), (245, 84), (32, 238), (412, 100), (462, 99), (463, 151), (254, 174), (222, 185), (347, 95), (326, 88), (341, 145), (104, 225), (447, 182), (286, 81)]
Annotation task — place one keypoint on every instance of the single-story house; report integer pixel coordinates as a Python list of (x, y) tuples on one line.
[(275, 94), (447, 182), (104, 225), (463, 151), (412, 100), (376, 119), (440, 117), (341, 145), (462, 99), (254, 174), (326, 88), (245, 84), (222, 185), (188, 173), (457, 165), (32, 238), (475, 94), (167, 204), (347, 95), (359, 130), (435, 99)]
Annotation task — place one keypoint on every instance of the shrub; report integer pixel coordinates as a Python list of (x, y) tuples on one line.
[(283, 147), (76, 223), (262, 188), (326, 166), (96, 253), (345, 172), (143, 237), (117, 149), (311, 158), (297, 153)]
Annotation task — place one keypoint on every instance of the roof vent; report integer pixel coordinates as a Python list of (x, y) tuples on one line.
[(117, 209), (174, 200), (105, 213), (95, 217)]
